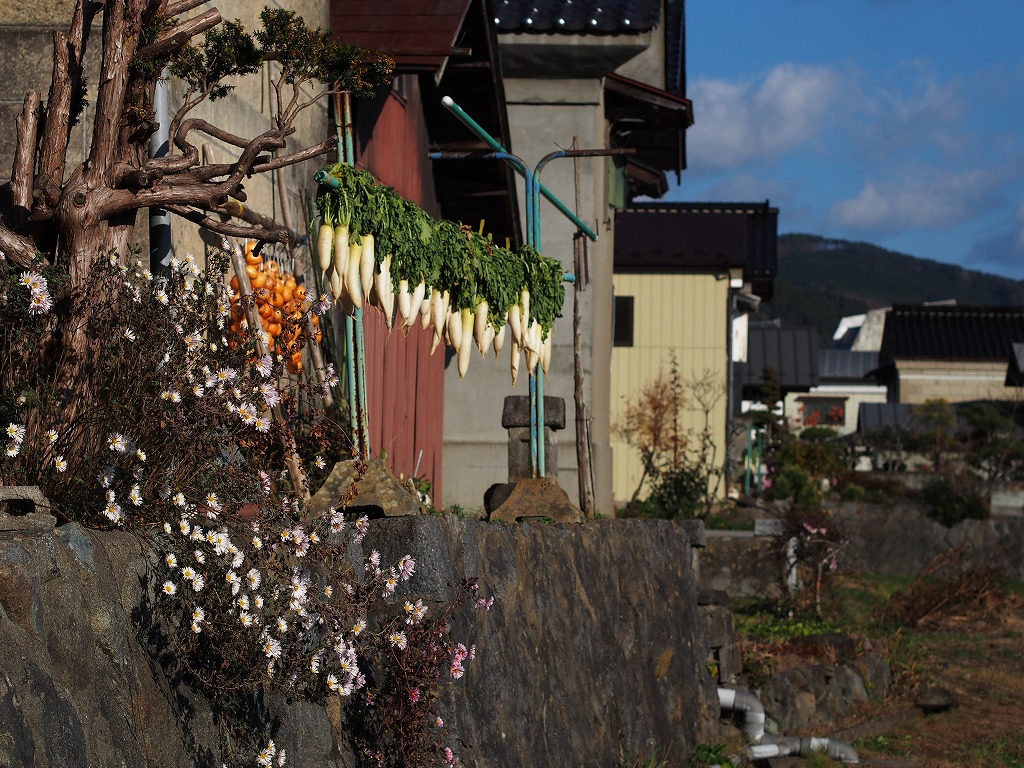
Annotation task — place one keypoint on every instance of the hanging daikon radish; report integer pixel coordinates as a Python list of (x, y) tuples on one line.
[(414, 305), (488, 339), (480, 324), (531, 338), (324, 245), (453, 324), (516, 354), (499, 339), (352, 285), (466, 347), (524, 305), (436, 340), (425, 309), (366, 265), (404, 301), (545, 350), (515, 322), (438, 309), (532, 358), (336, 283), (341, 250)]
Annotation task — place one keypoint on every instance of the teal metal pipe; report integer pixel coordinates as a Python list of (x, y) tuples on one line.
[(494, 144)]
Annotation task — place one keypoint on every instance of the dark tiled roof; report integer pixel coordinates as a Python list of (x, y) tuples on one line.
[(682, 236), (845, 364), (791, 351), (576, 17), (951, 333)]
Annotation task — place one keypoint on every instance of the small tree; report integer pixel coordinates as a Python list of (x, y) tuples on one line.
[(652, 424)]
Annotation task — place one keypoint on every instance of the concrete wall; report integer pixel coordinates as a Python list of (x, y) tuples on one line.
[(544, 115), (921, 380)]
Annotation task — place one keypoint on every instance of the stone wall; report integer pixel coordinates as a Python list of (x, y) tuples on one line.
[(594, 642), (896, 540)]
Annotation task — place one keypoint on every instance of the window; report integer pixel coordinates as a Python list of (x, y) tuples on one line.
[(622, 317), (823, 411)]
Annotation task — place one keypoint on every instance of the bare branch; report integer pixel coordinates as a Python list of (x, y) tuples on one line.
[(211, 130), (125, 176), (178, 36), (277, 235), (239, 211), (22, 170), (17, 248), (316, 150), (182, 6), (175, 163)]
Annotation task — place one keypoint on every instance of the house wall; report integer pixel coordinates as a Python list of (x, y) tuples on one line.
[(852, 396), (681, 315), (544, 115), (955, 381)]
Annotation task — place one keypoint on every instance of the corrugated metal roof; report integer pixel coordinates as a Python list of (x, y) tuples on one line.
[(872, 417), (951, 333), (576, 17), (418, 33), (792, 351), (839, 364)]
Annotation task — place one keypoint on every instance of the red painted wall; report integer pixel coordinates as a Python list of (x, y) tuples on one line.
[(405, 383)]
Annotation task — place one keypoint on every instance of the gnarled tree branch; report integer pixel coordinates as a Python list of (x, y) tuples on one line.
[(177, 37), (17, 248), (255, 232)]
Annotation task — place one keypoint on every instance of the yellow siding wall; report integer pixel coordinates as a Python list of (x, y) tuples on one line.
[(684, 314)]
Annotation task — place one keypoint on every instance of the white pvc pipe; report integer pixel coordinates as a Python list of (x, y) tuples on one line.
[(761, 749)]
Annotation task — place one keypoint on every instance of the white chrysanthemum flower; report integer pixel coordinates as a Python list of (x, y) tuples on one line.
[(129, 334), (179, 499), (169, 588), (171, 559), (15, 432), (59, 464), (161, 295), (140, 454), (51, 436)]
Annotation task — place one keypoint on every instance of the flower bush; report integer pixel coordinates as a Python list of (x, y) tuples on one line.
[(184, 439)]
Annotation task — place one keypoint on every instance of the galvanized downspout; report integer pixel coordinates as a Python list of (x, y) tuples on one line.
[(160, 251)]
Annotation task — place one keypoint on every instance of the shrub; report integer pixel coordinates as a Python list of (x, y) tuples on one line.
[(949, 501)]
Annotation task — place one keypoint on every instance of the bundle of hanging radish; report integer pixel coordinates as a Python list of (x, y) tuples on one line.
[(377, 249), (280, 302)]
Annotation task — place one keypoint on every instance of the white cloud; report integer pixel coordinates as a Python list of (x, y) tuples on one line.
[(923, 198), (740, 122)]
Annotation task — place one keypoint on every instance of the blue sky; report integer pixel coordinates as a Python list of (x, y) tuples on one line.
[(895, 122)]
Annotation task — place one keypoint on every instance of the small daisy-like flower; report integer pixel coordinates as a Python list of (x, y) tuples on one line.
[(212, 501), (272, 648), (398, 640), (188, 572), (113, 511), (135, 496), (358, 627), (129, 334), (232, 578), (265, 366), (247, 413), (184, 526), (193, 342), (197, 627), (262, 424), (169, 588), (253, 578), (225, 375), (198, 390), (15, 432), (257, 542), (167, 527), (140, 454), (171, 559), (282, 624), (270, 395), (320, 462), (199, 554), (198, 582), (51, 436), (59, 464), (246, 619), (179, 499), (328, 591), (12, 450), (161, 295), (33, 281), (243, 602)]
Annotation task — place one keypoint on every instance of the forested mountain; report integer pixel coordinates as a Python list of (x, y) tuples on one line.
[(821, 280)]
